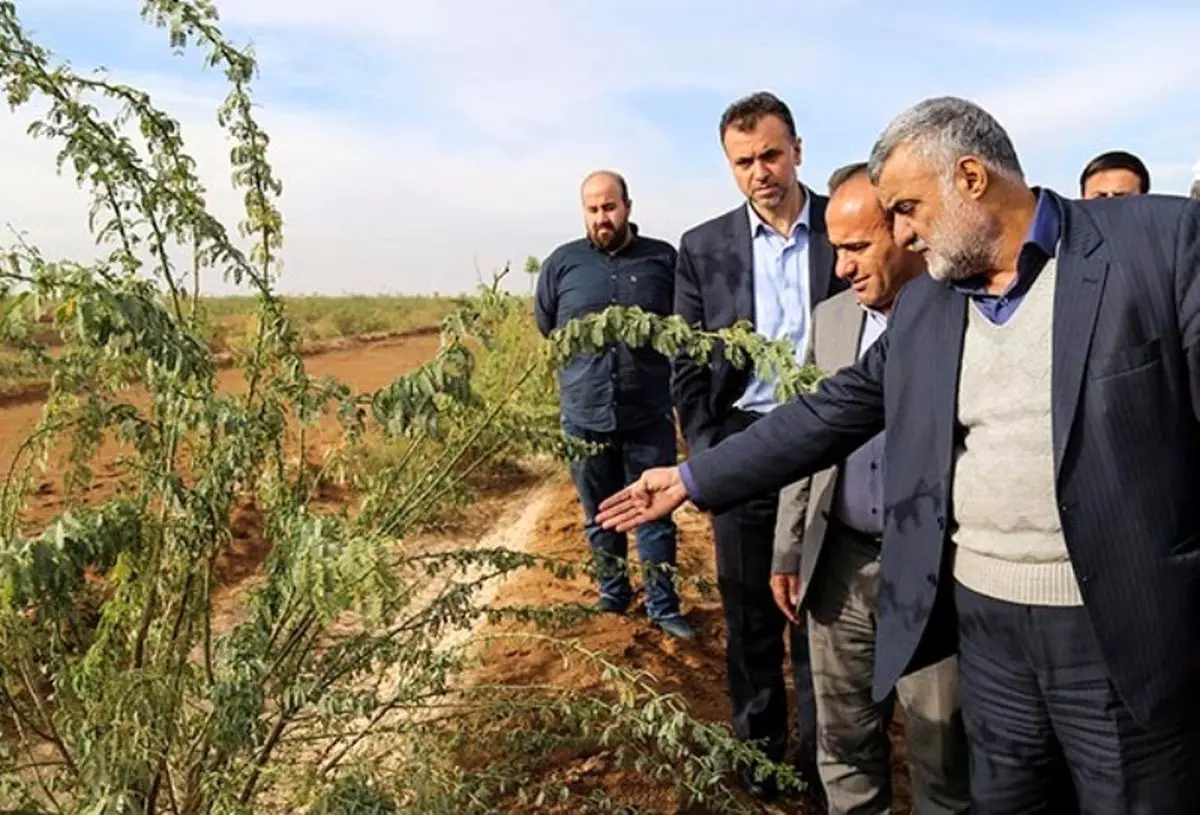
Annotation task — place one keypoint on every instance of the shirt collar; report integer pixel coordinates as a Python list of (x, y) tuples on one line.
[(758, 225), (1046, 228), (1041, 244), (874, 315)]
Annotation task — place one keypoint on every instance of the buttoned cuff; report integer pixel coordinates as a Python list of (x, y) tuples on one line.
[(785, 563)]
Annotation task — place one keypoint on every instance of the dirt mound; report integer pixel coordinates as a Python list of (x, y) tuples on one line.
[(695, 671)]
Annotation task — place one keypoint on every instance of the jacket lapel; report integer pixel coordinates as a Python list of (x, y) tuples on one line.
[(947, 361), (1078, 285), (820, 253), (851, 322), (838, 327), (743, 271), (820, 257)]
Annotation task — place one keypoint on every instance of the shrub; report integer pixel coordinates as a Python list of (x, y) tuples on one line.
[(335, 687)]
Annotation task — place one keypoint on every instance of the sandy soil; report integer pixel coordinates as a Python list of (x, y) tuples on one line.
[(361, 363), (543, 518), (694, 670)]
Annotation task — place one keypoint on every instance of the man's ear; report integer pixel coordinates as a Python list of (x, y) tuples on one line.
[(971, 177)]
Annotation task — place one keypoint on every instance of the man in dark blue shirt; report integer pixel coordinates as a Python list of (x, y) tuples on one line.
[(621, 397)]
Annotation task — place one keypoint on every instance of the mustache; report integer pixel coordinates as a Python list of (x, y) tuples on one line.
[(607, 232)]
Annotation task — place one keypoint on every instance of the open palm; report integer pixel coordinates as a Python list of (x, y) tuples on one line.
[(658, 493)]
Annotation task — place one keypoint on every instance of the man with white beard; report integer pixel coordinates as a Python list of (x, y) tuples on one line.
[(1041, 393)]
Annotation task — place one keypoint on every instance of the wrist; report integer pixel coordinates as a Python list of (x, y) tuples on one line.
[(686, 481)]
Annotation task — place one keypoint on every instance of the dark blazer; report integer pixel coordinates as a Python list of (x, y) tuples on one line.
[(1125, 388), (714, 288)]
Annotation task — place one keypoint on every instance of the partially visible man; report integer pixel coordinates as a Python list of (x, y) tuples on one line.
[(1114, 174), (827, 553), (768, 262), (1196, 180), (619, 398), (1041, 393)]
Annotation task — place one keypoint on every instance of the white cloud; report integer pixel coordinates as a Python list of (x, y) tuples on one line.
[(1090, 81), (426, 140)]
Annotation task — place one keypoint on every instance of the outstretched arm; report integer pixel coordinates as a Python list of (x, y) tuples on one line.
[(794, 441)]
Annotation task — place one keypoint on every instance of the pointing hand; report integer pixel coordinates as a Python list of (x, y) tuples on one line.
[(658, 493)]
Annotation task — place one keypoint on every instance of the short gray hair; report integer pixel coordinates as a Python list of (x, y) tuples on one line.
[(943, 130), (1196, 188), (842, 175)]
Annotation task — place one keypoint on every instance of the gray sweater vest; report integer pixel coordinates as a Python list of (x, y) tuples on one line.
[(1009, 538)]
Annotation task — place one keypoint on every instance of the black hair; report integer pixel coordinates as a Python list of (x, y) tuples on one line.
[(746, 112), (1116, 160)]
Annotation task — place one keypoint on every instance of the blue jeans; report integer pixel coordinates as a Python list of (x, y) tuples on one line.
[(627, 453)]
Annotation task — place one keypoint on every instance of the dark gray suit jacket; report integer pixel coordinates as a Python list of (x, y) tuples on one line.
[(1126, 428), (714, 288), (804, 505)]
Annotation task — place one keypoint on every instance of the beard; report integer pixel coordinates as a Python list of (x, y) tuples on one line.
[(610, 240), (963, 243)]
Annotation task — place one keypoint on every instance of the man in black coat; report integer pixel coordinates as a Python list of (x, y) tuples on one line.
[(768, 261), (1041, 392)]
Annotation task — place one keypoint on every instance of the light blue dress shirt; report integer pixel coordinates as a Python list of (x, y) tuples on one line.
[(782, 300)]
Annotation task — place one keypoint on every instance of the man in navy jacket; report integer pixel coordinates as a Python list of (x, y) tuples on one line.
[(1041, 391)]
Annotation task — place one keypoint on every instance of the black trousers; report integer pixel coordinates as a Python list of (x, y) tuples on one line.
[(1048, 734), (756, 628)]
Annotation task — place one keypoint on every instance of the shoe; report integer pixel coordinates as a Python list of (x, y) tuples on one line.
[(765, 790), (676, 626), (611, 605)]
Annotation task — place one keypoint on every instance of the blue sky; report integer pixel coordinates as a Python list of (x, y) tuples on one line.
[(424, 144)]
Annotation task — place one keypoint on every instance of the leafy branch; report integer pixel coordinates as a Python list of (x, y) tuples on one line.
[(129, 682), (673, 337)]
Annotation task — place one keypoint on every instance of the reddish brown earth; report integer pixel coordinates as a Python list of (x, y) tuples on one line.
[(693, 670), (362, 363)]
